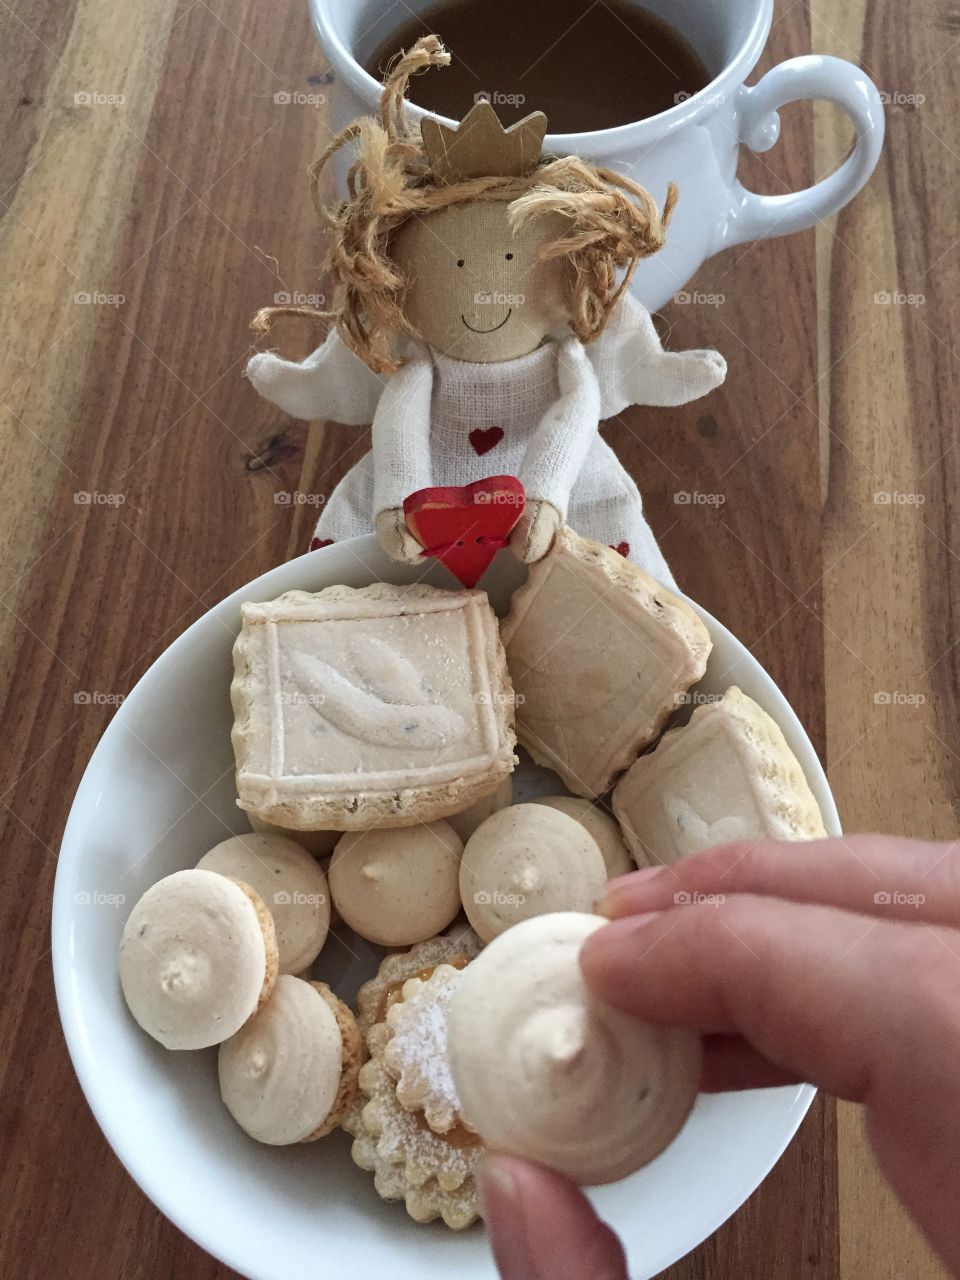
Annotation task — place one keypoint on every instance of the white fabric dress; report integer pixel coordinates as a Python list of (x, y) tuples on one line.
[(439, 421)]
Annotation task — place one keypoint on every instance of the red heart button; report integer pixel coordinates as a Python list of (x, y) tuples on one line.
[(465, 527)]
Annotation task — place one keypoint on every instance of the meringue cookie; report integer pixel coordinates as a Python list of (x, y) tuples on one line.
[(197, 957), (598, 824), (545, 1071), (466, 823), (319, 844), (290, 882), (280, 1074), (526, 861), (395, 885)]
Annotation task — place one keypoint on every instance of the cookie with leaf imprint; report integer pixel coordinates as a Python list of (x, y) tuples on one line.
[(356, 707)]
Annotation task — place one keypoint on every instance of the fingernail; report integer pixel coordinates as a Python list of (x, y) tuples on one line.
[(627, 894), (506, 1223)]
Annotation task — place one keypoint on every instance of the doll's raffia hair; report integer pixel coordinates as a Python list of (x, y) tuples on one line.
[(613, 222)]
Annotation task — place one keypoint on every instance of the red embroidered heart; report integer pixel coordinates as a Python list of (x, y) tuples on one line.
[(484, 440), (622, 547), (465, 527), (317, 543)]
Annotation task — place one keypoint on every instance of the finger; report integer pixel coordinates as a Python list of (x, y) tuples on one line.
[(873, 875), (542, 1227), (731, 1064), (823, 994)]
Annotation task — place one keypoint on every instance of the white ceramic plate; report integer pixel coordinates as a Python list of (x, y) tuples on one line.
[(156, 795)]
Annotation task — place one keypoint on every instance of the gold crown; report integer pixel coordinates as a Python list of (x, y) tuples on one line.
[(480, 147)]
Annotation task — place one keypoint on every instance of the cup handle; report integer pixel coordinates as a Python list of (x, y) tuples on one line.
[(756, 217)]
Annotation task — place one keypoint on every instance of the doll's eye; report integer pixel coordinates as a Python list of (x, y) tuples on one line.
[(509, 256), (459, 262)]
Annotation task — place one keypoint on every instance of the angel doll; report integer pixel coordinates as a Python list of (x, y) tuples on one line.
[(484, 327)]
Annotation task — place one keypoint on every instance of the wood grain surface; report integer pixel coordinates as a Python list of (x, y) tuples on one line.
[(147, 168)]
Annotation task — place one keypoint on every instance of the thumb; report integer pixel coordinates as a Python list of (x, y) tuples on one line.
[(542, 1227)]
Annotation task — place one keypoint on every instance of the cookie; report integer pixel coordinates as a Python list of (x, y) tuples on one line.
[(545, 1071), (351, 1058), (600, 655), (525, 861), (198, 957), (415, 1054), (290, 882), (432, 1173), (319, 844), (397, 886), (597, 823), (727, 775), (383, 705), (289, 1075), (466, 822), (456, 947)]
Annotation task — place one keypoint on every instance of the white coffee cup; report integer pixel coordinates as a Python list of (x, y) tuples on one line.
[(695, 144)]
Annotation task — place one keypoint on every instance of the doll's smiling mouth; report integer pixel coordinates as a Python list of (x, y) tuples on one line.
[(495, 327)]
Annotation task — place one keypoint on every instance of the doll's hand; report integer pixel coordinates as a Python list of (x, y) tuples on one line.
[(535, 531), (677, 377), (699, 371), (291, 386), (396, 539)]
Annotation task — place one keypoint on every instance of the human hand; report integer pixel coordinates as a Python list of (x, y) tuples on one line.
[(834, 961), (534, 532), (395, 538)]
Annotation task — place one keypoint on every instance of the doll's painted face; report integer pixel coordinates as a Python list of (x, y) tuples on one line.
[(478, 291)]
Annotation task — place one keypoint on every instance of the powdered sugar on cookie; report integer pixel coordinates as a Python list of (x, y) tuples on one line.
[(416, 1053)]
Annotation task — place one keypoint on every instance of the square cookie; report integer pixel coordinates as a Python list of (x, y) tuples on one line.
[(727, 775), (600, 655), (383, 704)]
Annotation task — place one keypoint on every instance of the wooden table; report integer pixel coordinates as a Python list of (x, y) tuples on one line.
[(151, 170)]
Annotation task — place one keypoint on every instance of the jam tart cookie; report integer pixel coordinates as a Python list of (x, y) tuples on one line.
[(457, 947), (432, 1173), (415, 1054)]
